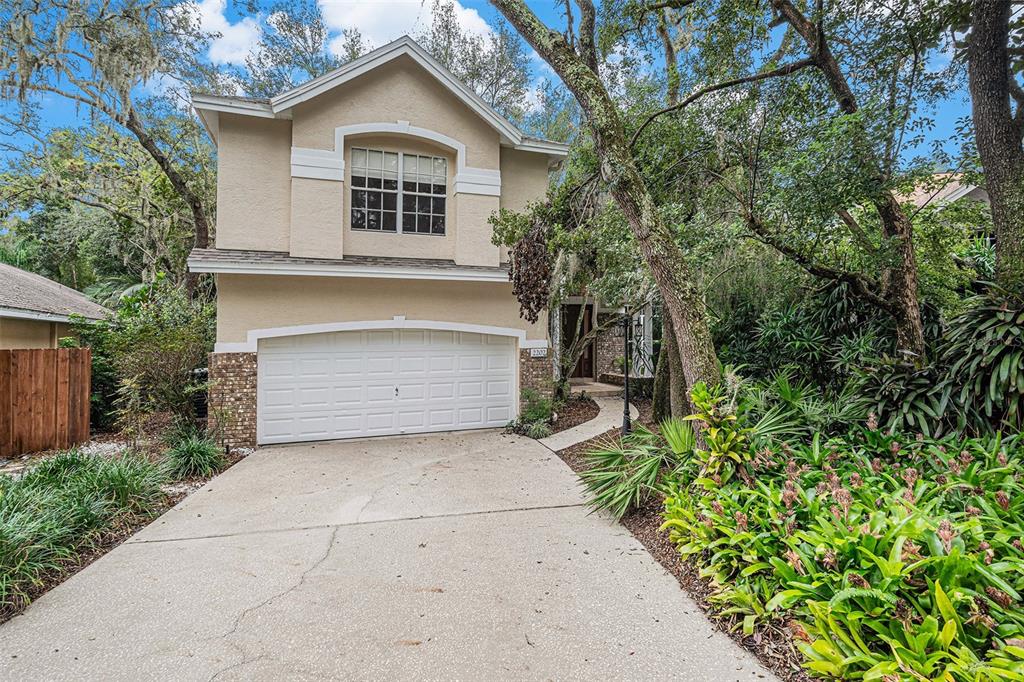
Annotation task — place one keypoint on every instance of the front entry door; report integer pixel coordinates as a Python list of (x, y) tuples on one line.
[(584, 368)]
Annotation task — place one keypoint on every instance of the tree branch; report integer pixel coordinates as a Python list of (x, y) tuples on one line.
[(588, 20), (764, 75), (861, 285)]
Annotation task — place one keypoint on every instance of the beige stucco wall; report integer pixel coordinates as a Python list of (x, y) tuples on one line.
[(20, 333), (253, 183), (261, 207), (264, 301), (316, 208), (400, 90), (524, 178)]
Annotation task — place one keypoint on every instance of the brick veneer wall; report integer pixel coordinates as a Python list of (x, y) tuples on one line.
[(232, 397), (535, 373), (607, 344)]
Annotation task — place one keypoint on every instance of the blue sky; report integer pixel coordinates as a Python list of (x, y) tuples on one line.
[(383, 20)]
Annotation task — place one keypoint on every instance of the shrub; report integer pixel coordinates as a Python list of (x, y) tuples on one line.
[(538, 408), (984, 353), (535, 416), (623, 474), (905, 397), (194, 456), (62, 506), (145, 354)]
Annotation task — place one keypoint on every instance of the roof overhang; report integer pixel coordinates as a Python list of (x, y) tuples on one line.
[(209, 107), (226, 265), (24, 314)]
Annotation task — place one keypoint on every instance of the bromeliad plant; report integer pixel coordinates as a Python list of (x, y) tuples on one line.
[(890, 559)]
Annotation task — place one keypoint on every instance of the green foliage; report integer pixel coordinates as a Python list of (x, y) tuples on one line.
[(194, 456), (984, 354), (887, 556), (150, 347), (60, 507), (905, 397), (538, 408), (535, 415), (623, 474)]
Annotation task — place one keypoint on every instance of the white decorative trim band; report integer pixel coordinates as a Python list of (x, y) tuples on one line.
[(251, 345), (342, 269), (319, 164), (327, 164)]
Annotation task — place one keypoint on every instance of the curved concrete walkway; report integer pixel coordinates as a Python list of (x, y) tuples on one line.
[(609, 417)]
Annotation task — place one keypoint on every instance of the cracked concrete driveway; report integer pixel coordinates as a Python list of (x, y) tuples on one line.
[(450, 556)]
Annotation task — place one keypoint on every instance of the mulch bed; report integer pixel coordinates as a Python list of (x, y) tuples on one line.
[(108, 540), (575, 411), (771, 643)]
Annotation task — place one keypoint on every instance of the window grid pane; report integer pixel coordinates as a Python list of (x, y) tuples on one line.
[(420, 191), (424, 190), (375, 207)]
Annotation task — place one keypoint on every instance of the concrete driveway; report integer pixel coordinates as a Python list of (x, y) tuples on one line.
[(452, 556)]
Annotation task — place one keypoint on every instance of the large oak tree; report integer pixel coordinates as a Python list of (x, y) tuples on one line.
[(574, 57)]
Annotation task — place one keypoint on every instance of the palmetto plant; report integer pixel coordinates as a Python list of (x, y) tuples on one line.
[(623, 474)]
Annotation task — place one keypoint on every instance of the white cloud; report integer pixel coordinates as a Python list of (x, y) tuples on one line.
[(381, 21), (236, 39)]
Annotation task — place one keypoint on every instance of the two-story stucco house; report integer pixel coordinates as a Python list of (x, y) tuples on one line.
[(358, 290)]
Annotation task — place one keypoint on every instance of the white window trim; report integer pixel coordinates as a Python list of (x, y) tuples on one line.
[(251, 344)]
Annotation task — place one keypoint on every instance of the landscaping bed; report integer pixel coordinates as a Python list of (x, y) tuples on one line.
[(859, 554), (576, 410), (66, 509), (772, 645)]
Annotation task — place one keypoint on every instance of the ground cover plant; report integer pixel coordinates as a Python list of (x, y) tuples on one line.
[(61, 508)]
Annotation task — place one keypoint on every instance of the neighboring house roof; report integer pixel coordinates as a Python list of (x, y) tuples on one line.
[(238, 261), (210, 106), (30, 296), (944, 188)]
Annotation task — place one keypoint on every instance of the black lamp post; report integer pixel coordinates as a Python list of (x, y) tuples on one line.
[(627, 326)]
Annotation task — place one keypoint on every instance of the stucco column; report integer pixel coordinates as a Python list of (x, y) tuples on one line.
[(316, 218), (472, 231)]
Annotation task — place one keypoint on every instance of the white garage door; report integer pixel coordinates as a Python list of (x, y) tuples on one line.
[(378, 382)]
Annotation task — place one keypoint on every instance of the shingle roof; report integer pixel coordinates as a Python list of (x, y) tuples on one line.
[(32, 293)]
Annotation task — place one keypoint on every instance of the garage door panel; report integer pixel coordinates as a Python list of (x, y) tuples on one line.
[(343, 384)]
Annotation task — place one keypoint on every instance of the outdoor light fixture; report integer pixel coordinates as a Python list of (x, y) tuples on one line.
[(627, 325)]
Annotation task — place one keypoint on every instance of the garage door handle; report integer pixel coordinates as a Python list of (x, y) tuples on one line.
[(396, 391)]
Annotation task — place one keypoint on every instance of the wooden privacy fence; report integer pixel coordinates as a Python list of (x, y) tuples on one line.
[(44, 399)]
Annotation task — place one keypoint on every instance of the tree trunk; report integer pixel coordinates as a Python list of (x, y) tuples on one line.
[(900, 271), (195, 204), (679, 395), (899, 282), (682, 300), (661, 405), (998, 134)]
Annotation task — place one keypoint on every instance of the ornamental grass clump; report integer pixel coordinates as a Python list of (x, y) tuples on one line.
[(61, 507), (888, 557)]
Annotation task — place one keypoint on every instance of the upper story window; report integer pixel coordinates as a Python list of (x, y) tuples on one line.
[(398, 192)]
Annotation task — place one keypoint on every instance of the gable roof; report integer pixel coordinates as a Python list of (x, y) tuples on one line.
[(31, 296), (209, 106)]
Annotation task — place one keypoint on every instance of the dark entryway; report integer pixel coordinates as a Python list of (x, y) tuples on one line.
[(584, 368)]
